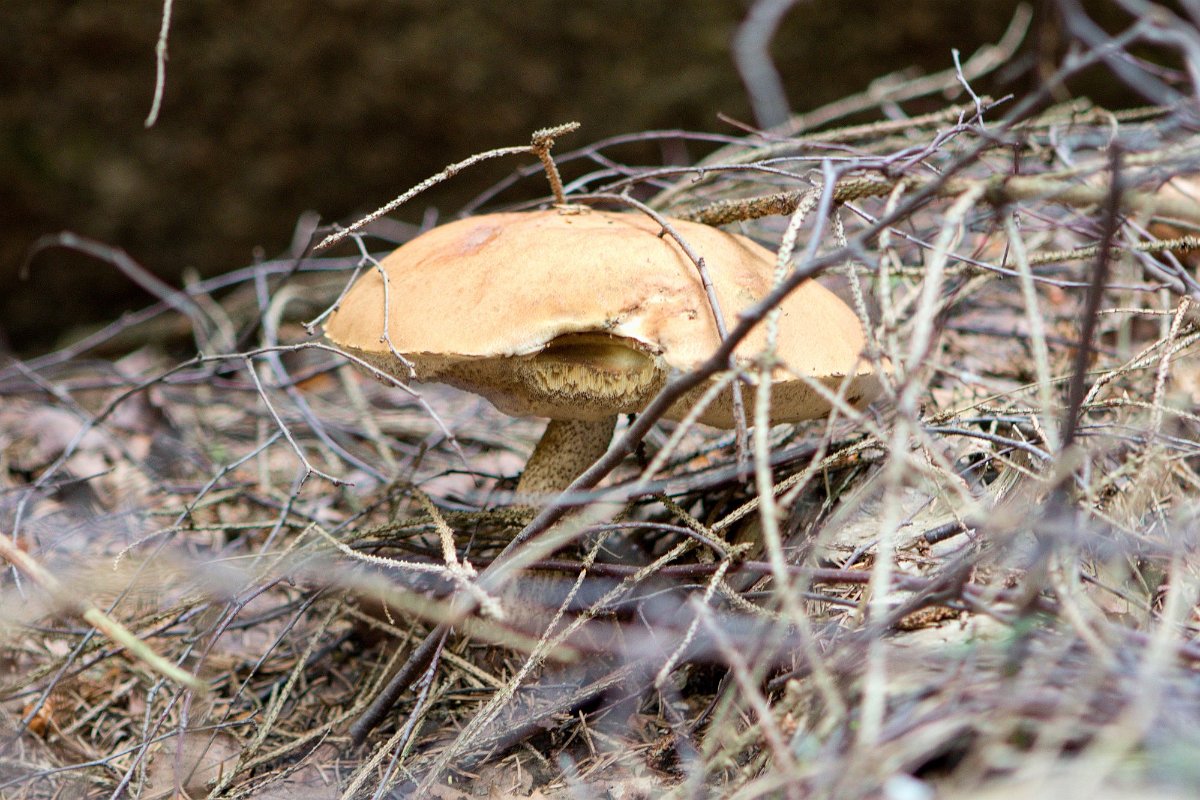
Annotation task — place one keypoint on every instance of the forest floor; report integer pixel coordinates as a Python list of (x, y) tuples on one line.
[(986, 583)]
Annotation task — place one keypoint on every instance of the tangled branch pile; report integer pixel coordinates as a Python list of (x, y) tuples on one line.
[(987, 581)]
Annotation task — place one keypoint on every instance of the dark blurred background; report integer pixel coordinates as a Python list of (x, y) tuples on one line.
[(275, 108)]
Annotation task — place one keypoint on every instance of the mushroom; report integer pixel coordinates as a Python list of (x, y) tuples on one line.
[(581, 315)]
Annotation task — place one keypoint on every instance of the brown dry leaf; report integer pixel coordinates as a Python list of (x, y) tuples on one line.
[(39, 724), (858, 524), (496, 781), (1118, 592), (309, 783), (190, 764), (29, 768), (52, 429)]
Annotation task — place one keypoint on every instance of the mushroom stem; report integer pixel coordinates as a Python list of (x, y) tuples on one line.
[(567, 448)]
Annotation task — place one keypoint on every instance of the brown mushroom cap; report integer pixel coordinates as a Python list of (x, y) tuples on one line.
[(582, 314)]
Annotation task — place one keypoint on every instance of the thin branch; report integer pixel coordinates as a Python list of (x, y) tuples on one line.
[(160, 64), (540, 146), (91, 614)]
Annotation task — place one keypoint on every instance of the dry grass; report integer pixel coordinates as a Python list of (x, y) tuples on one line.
[(988, 583)]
